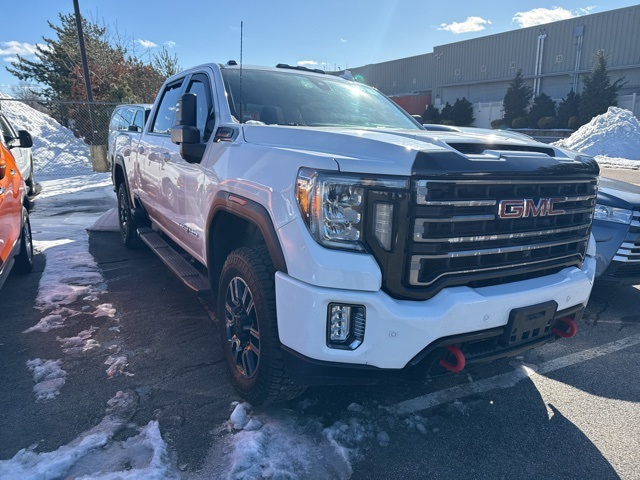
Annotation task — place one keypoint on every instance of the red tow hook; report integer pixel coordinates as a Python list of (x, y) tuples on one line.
[(573, 328), (459, 360)]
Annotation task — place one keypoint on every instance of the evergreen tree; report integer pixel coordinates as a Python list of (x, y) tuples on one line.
[(599, 93), (57, 59), (165, 64), (543, 106), (431, 114), (516, 100), (568, 107), (445, 114), (462, 112), (116, 76)]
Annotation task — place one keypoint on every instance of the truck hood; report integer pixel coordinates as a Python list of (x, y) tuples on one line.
[(420, 152), (619, 194)]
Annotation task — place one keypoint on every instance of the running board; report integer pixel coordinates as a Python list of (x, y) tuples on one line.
[(181, 267)]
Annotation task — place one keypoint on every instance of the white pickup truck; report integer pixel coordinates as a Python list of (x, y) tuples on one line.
[(341, 241)]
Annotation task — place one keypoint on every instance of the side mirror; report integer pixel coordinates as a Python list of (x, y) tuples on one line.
[(133, 128), (185, 133), (185, 130), (25, 139), (417, 118), (3, 168)]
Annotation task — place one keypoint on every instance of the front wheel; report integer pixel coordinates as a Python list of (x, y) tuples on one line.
[(128, 227), (246, 312)]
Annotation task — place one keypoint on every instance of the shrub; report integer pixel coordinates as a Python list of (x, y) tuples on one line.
[(497, 123), (573, 123), (447, 122), (431, 114), (548, 122), (519, 122)]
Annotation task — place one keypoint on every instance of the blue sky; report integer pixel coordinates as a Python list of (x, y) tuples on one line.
[(323, 34)]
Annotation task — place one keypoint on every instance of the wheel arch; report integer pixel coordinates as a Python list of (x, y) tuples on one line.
[(119, 174), (236, 222)]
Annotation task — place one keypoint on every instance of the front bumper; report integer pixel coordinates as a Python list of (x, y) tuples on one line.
[(397, 331)]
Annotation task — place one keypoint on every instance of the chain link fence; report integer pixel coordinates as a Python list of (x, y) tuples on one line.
[(69, 138)]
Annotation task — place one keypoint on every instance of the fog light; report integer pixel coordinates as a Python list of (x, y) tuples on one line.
[(345, 326)]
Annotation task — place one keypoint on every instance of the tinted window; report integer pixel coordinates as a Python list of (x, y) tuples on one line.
[(138, 120), (200, 86), (292, 98), (166, 112), (121, 118), (7, 131)]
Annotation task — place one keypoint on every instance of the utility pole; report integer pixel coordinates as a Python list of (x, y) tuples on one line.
[(83, 52), (97, 152)]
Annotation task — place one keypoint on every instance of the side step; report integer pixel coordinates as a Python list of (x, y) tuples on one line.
[(181, 267)]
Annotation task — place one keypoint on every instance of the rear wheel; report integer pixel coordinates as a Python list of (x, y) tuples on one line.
[(246, 312), (128, 226), (24, 260)]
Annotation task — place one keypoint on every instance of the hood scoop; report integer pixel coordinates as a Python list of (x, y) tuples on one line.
[(467, 148)]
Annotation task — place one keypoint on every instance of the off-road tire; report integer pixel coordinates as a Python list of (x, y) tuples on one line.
[(128, 226), (24, 259), (246, 313)]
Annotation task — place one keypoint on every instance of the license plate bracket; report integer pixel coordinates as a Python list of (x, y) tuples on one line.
[(528, 324)]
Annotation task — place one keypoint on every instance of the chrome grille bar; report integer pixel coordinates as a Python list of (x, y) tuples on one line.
[(628, 252)]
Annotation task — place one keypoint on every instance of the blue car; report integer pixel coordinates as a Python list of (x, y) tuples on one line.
[(616, 228)]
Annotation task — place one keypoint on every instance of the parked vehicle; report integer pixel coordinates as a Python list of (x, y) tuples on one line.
[(616, 228), (20, 143), (341, 241), (126, 121), (15, 230)]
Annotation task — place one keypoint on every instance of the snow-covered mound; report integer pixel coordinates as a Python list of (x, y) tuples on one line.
[(56, 150), (615, 133)]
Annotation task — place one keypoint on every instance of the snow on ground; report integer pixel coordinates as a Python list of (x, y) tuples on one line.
[(64, 210), (613, 138), (56, 150), (95, 455)]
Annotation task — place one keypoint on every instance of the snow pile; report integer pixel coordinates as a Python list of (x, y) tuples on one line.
[(49, 378), (56, 150), (612, 135), (279, 444)]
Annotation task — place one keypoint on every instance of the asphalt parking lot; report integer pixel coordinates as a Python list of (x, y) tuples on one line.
[(570, 409)]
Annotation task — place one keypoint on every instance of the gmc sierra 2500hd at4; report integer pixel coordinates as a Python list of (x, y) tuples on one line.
[(342, 242)]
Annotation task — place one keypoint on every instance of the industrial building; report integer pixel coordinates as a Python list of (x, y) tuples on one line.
[(553, 58)]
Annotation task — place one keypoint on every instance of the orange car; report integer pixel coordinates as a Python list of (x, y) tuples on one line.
[(16, 246)]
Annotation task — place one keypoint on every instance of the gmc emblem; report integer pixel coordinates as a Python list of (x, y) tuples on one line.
[(527, 207)]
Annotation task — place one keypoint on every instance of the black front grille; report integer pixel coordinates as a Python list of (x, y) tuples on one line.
[(458, 237)]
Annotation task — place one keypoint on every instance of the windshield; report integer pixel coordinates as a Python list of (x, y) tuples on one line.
[(289, 98)]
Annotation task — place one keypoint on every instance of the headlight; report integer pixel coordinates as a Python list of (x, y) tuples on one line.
[(612, 214), (333, 205)]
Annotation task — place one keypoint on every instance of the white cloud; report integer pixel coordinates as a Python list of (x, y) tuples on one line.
[(342, 40), (17, 48), (169, 44), (146, 43), (539, 16), (304, 63), (11, 59), (471, 24)]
